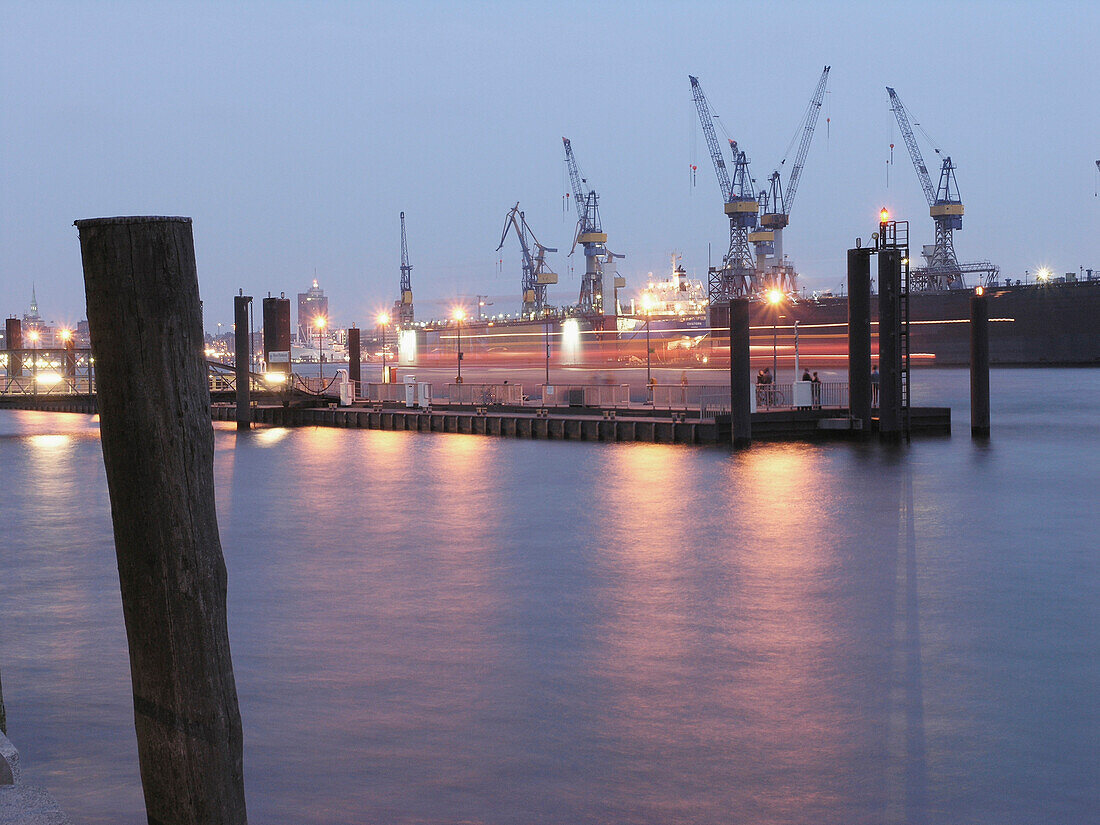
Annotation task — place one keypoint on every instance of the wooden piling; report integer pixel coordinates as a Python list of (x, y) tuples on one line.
[(979, 365), (740, 374), (859, 336), (242, 354), (158, 450)]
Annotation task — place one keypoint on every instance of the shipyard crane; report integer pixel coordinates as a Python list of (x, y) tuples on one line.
[(404, 308), (776, 203), (536, 274), (944, 205), (596, 296), (737, 275)]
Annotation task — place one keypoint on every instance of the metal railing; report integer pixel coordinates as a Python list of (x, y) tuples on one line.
[(483, 394), (585, 395), (47, 372), (381, 393), (773, 396), (683, 396)]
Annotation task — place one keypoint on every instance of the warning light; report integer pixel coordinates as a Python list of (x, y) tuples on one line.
[(980, 291), (884, 215)]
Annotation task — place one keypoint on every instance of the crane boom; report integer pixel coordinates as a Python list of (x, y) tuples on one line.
[(910, 139), (575, 179), (810, 118), (405, 304), (715, 148)]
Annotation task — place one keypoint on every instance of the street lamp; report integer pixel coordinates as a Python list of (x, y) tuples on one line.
[(775, 297), (320, 322), (647, 308), (459, 314), (383, 319)]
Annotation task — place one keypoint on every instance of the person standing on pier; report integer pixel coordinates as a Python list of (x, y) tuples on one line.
[(874, 385)]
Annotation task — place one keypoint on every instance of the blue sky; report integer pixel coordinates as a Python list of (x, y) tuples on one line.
[(293, 134)]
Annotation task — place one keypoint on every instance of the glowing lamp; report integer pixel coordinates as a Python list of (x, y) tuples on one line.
[(459, 314), (319, 322), (884, 215), (383, 319), (775, 296), (980, 291), (66, 334)]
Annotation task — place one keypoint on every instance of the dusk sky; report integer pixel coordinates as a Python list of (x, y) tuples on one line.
[(294, 134)]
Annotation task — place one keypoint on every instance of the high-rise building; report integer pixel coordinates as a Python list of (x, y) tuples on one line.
[(312, 304)]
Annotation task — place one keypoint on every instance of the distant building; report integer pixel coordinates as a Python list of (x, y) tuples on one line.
[(312, 304)]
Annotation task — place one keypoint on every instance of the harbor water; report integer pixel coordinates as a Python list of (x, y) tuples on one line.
[(432, 628)]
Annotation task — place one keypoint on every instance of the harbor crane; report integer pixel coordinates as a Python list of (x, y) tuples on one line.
[(403, 311), (943, 270), (596, 297), (737, 275), (536, 274), (776, 203)]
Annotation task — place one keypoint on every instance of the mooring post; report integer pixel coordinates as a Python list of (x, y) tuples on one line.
[(3, 713), (859, 336), (354, 362), (158, 450), (740, 370), (889, 349), (242, 355), (13, 341), (979, 364)]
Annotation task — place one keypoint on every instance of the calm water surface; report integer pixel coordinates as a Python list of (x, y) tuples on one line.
[(446, 628)]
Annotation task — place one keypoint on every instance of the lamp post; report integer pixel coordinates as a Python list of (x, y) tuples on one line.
[(319, 321), (459, 314), (383, 319), (647, 308), (775, 297), (33, 335)]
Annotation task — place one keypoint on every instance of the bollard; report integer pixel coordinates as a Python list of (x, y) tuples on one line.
[(889, 349), (740, 370), (979, 364), (859, 336), (354, 362), (242, 356), (158, 450)]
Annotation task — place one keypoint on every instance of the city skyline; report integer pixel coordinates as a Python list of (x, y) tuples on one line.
[(295, 136)]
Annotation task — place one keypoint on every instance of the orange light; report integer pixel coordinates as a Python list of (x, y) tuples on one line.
[(66, 334), (33, 335), (884, 215), (980, 291), (383, 319), (459, 314), (775, 296), (320, 322)]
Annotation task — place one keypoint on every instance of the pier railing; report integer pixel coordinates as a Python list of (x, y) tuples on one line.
[(483, 394), (585, 395), (684, 396), (47, 372)]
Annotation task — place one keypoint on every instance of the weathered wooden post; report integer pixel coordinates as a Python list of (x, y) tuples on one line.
[(859, 336), (355, 366), (158, 450), (242, 352), (979, 364), (889, 346), (740, 372)]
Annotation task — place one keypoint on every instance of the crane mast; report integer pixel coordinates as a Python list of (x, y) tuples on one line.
[(596, 296), (405, 304), (736, 277), (944, 205), (536, 275), (777, 203)]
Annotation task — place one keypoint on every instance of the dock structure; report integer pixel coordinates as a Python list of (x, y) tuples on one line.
[(563, 424)]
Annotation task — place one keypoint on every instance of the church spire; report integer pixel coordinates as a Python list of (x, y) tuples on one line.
[(34, 302)]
